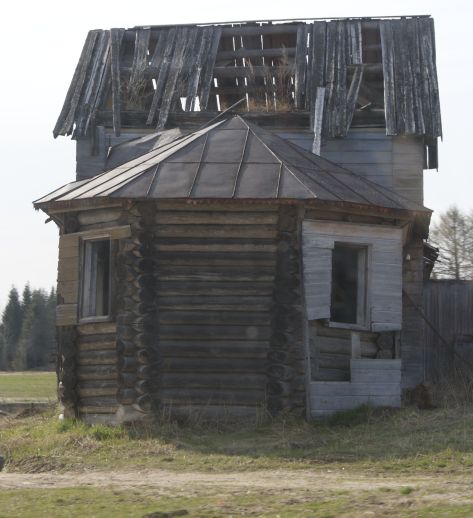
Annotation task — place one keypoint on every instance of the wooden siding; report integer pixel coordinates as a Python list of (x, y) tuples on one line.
[(412, 334), (393, 162), (448, 306), (330, 351), (373, 382), (384, 269)]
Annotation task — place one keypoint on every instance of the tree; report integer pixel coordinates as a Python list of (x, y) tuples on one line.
[(12, 320), (453, 235), (37, 333)]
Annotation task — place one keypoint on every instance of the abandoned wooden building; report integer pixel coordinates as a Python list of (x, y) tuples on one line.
[(246, 229)]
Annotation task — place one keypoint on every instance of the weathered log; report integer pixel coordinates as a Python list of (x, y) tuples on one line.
[(103, 372), (280, 371), (126, 396), (217, 380), (144, 403), (127, 364), (143, 386), (180, 395), (126, 380)]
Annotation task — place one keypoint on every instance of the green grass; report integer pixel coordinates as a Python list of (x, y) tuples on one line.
[(406, 441), (103, 503), (27, 386), (408, 463)]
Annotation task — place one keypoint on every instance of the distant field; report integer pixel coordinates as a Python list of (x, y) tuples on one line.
[(27, 386)]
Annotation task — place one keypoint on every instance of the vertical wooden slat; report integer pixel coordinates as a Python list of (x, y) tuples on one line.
[(174, 70), (68, 112), (116, 37), (301, 67), (353, 94), (207, 72), (387, 46), (163, 74), (140, 55), (318, 120)]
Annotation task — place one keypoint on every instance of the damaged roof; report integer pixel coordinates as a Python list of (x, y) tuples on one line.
[(231, 159), (379, 68)]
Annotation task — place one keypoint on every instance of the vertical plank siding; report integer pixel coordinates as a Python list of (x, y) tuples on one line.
[(448, 306)]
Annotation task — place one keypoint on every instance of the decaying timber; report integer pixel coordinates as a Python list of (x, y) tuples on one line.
[(209, 262)]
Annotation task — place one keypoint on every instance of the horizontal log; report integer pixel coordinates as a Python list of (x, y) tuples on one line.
[(206, 411), (170, 288), (96, 346), (257, 30), (171, 304), (98, 401), (197, 395), (97, 358), (127, 363), (97, 409), (222, 230), (216, 318), (229, 332), (214, 218), (126, 379), (95, 328), (218, 275), (126, 396), (91, 217), (213, 349), (209, 364), (97, 338), (97, 372), (343, 347), (215, 247), (97, 392), (210, 380), (255, 53), (217, 259), (333, 361), (143, 387)]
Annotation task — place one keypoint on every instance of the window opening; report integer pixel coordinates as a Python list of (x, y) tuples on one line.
[(348, 298), (95, 300)]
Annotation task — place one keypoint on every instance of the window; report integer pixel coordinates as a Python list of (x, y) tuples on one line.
[(95, 288), (348, 294)]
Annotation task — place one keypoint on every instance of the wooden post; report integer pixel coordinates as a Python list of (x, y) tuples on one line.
[(355, 345)]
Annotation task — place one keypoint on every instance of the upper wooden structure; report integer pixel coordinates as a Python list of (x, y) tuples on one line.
[(375, 72)]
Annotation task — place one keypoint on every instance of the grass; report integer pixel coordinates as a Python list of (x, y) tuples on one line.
[(27, 386), (405, 441)]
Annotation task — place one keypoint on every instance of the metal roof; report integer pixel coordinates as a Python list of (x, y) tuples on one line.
[(231, 159)]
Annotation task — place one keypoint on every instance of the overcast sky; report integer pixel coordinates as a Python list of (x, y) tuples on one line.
[(41, 43)]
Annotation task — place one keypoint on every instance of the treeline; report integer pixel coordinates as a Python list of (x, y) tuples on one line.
[(27, 331)]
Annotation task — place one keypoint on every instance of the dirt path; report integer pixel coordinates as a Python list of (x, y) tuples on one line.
[(275, 479)]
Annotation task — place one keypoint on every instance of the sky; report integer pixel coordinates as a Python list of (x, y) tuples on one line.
[(41, 43)]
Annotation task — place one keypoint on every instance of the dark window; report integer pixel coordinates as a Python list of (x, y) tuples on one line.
[(95, 299), (348, 284)]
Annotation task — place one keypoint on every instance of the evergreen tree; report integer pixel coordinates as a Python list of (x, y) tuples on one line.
[(3, 360), (12, 320)]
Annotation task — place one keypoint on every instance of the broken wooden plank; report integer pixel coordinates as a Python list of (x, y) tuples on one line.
[(67, 116), (162, 75), (301, 67), (318, 120), (116, 37)]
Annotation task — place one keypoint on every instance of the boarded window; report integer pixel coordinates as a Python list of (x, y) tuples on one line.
[(95, 288)]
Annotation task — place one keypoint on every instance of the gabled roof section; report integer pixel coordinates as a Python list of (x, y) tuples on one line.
[(231, 159)]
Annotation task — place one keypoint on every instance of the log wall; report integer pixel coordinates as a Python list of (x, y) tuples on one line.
[(215, 276)]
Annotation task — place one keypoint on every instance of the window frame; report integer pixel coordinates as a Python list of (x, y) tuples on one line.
[(362, 318), (112, 250)]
